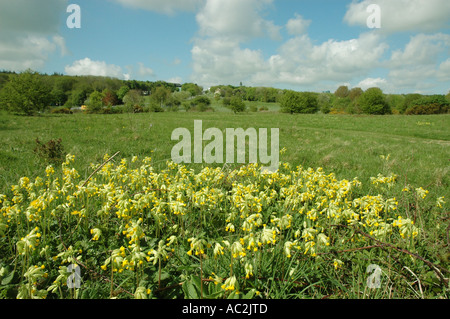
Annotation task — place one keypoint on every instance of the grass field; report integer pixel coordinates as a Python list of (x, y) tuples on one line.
[(349, 146), (414, 148)]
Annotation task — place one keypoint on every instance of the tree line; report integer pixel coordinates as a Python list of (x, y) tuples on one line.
[(30, 93)]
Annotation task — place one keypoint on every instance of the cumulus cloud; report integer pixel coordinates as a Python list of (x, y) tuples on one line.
[(219, 61), (98, 68), (169, 7), (29, 33), (145, 71), (402, 15), (297, 25), (237, 19), (372, 82), (418, 63)]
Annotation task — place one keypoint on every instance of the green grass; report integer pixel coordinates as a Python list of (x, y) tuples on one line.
[(349, 146)]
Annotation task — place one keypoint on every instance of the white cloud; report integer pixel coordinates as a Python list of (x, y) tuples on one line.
[(98, 68), (31, 16), (169, 7), (23, 52), (443, 73), (237, 19), (299, 62), (417, 65), (297, 25), (220, 60), (176, 79), (421, 49), (145, 71), (402, 15), (61, 43), (372, 82), (29, 33)]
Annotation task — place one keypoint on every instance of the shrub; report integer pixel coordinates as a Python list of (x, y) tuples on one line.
[(253, 108), (374, 102), (95, 102), (299, 102), (51, 152), (237, 105), (435, 104), (60, 110), (200, 103)]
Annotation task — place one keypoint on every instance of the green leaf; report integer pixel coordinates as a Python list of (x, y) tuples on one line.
[(8, 278), (189, 290)]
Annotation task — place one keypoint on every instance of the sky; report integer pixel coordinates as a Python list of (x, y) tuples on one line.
[(304, 45)]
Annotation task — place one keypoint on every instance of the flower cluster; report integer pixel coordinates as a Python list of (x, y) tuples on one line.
[(134, 217)]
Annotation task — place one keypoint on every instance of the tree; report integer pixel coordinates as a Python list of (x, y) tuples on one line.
[(122, 92), (408, 101), (109, 98), (160, 96), (201, 103), (324, 102), (433, 104), (95, 102), (237, 105), (25, 93), (342, 91), (299, 102), (134, 101), (192, 88), (355, 93), (374, 102)]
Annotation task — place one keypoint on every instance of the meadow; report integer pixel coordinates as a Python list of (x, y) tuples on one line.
[(352, 191)]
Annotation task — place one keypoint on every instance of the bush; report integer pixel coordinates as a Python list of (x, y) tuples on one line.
[(200, 103), (95, 102), (435, 104), (237, 105), (253, 108), (51, 152), (374, 102), (299, 102), (61, 110)]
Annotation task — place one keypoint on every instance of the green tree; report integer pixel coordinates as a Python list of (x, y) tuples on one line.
[(94, 102), (25, 93), (122, 92), (355, 93), (342, 91), (134, 101), (160, 96), (237, 105), (201, 103), (192, 88), (396, 102), (433, 104), (374, 102), (299, 102), (324, 102)]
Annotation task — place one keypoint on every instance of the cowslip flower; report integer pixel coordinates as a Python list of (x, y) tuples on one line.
[(421, 192), (440, 201), (229, 284), (96, 233)]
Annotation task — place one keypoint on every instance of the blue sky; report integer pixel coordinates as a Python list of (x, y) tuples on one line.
[(314, 45)]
